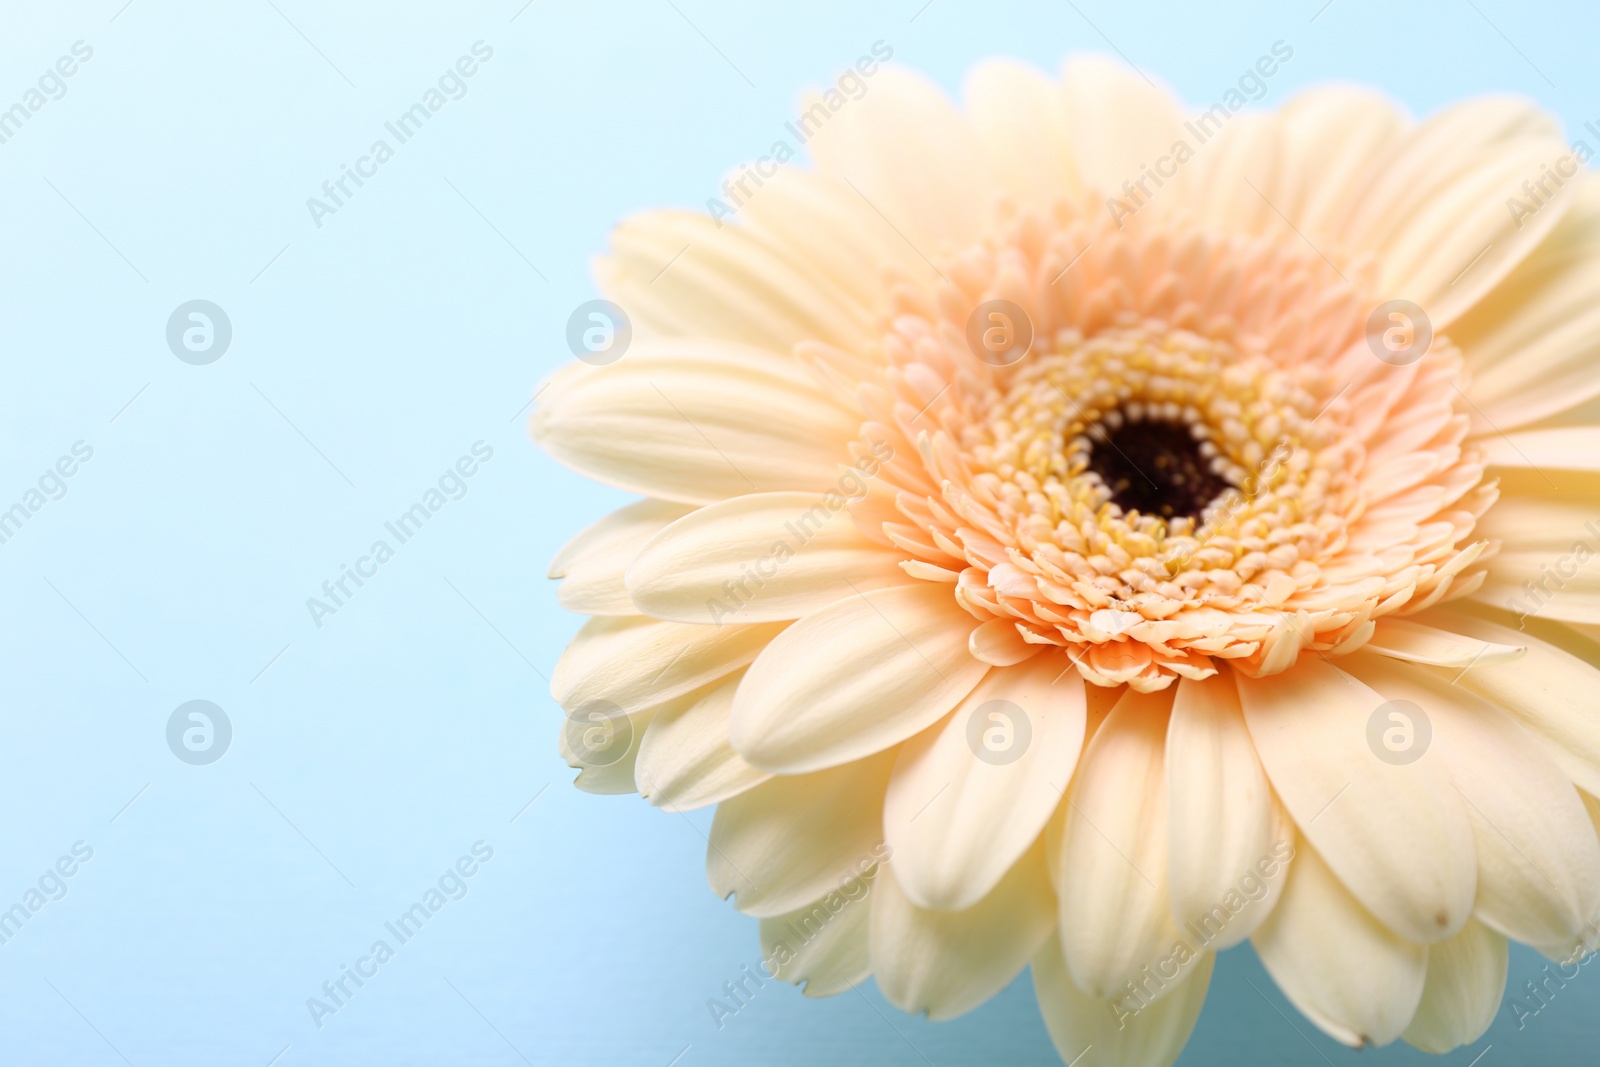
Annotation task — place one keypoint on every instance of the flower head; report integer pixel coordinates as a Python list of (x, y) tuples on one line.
[(1081, 533)]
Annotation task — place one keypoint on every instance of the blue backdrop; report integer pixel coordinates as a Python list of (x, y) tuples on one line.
[(402, 740)]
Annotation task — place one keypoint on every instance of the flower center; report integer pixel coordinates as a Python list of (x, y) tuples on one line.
[(1155, 466), (1143, 430), (1172, 472), (1153, 469)]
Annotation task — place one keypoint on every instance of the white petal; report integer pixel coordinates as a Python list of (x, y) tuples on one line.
[(969, 796), (1435, 205), (1334, 136), (1458, 244), (1415, 642), (908, 153), (1088, 1032), (1531, 344), (602, 745), (1016, 112), (1346, 971), (1587, 943), (1552, 692), (796, 838), (759, 558), (946, 963), (633, 662), (1116, 120), (1538, 859), (1224, 835), (998, 642), (591, 565), (1466, 979), (827, 226), (695, 422), (1248, 151), (1110, 867), (824, 943), (1546, 523), (685, 760), (1397, 835), (854, 678), (678, 274)]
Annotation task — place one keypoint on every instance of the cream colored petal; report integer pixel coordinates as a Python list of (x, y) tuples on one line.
[(1111, 863), (634, 662), (1089, 1032), (1434, 206), (1100, 699), (796, 838), (686, 274), (1552, 692), (854, 678), (685, 760), (1514, 586), (1016, 113), (1462, 241), (1466, 979), (946, 963), (1346, 971), (823, 944), (591, 565), (1561, 448), (1397, 835), (998, 642), (1334, 135), (826, 225), (970, 795), (1531, 344), (1415, 642), (1548, 524), (602, 745), (1538, 858), (906, 151), (1588, 942), (695, 422), (1240, 171), (1116, 121), (759, 558), (1226, 843)]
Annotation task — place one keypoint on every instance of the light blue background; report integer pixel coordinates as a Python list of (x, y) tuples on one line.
[(366, 358)]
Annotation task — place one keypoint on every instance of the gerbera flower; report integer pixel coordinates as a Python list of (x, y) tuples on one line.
[(1084, 534)]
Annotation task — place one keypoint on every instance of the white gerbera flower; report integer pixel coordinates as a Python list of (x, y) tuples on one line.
[(1084, 534)]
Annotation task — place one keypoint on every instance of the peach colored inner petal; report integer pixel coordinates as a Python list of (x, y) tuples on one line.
[(1346, 490)]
